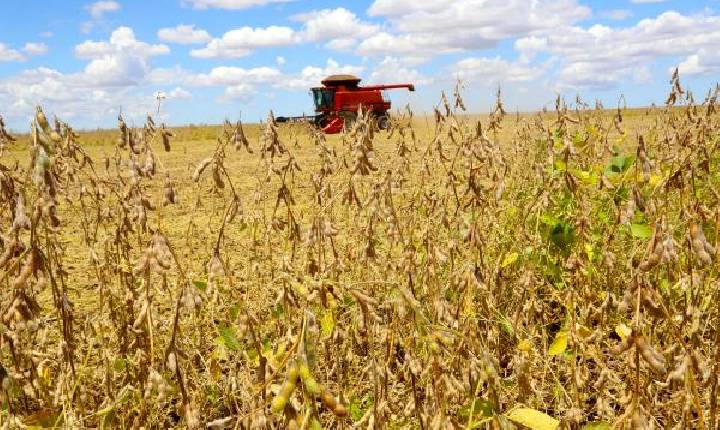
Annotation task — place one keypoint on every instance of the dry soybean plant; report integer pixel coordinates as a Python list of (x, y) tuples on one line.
[(556, 270)]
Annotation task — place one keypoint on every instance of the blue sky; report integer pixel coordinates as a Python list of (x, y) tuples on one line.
[(84, 60)]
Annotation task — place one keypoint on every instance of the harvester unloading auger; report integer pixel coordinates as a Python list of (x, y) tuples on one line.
[(338, 100)]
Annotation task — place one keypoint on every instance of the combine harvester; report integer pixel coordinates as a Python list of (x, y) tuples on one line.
[(338, 100)]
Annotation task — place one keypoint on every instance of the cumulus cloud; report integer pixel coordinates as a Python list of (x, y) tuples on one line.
[(240, 83), (422, 47), (339, 27), (333, 25), (72, 96), (587, 62), (183, 34), (98, 9), (229, 4), (97, 12), (114, 72), (31, 48), (8, 54), (227, 75), (122, 39), (121, 61), (311, 76), (179, 93), (240, 42), (345, 44), (238, 93), (706, 61), (617, 14), (403, 7), (426, 29), (392, 69), (495, 70), (530, 46), (170, 76)]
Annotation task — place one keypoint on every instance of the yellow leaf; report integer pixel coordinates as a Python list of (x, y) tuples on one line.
[(583, 331), (559, 344), (509, 259), (327, 324), (533, 419), (524, 345), (300, 289), (469, 306), (623, 331), (331, 302)]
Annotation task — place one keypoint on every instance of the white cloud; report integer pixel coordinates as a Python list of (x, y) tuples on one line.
[(121, 69), (642, 75), (495, 70), (426, 29), (179, 93), (122, 39), (617, 14), (31, 48), (90, 49), (183, 34), (97, 12), (8, 54), (113, 76), (329, 24), (311, 76), (280, 60), (403, 7), (587, 62), (240, 42), (98, 9), (394, 70), (341, 44), (239, 92), (46, 34), (425, 45), (170, 76), (87, 26), (705, 61), (495, 19), (691, 65), (229, 76), (73, 96), (338, 26), (530, 46), (229, 4)]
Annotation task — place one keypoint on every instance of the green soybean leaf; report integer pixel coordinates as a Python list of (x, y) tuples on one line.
[(642, 231)]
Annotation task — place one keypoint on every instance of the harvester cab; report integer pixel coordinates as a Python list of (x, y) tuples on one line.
[(338, 99)]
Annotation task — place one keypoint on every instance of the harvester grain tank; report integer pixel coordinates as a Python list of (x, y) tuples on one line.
[(338, 99)]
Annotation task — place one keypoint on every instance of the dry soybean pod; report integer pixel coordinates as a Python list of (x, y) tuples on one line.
[(279, 402), (329, 401), (311, 385)]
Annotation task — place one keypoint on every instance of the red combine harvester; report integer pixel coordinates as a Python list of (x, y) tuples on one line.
[(337, 102)]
